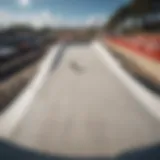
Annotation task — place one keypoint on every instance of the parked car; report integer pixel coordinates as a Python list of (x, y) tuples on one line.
[(27, 43), (8, 47), (13, 45)]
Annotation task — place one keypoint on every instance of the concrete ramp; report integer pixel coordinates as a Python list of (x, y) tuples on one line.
[(84, 110)]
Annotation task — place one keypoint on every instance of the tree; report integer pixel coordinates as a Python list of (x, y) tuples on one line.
[(118, 17), (135, 9)]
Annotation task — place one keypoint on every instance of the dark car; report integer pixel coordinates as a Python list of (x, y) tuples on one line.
[(27, 43), (8, 47)]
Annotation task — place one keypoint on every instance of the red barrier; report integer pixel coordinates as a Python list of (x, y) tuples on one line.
[(148, 46)]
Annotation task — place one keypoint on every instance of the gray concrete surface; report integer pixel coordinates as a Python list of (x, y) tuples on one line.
[(84, 110)]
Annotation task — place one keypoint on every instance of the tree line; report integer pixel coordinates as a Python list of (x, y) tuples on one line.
[(133, 10)]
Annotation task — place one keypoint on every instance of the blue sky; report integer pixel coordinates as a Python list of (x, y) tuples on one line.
[(58, 12)]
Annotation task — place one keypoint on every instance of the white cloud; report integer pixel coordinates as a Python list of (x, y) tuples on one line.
[(24, 2), (46, 18), (36, 19)]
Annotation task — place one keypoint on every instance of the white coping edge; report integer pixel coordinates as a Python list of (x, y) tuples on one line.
[(21, 104), (149, 100)]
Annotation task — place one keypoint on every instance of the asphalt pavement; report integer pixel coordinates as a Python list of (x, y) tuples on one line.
[(84, 110)]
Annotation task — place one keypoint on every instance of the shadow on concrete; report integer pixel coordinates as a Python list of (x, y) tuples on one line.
[(76, 67), (10, 151), (61, 53), (147, 83), (58, 57)]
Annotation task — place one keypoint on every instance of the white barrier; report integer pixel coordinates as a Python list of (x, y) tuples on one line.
[(19, 107), (150, 101)]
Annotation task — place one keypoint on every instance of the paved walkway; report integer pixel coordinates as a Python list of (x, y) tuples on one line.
[(84, 110)]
